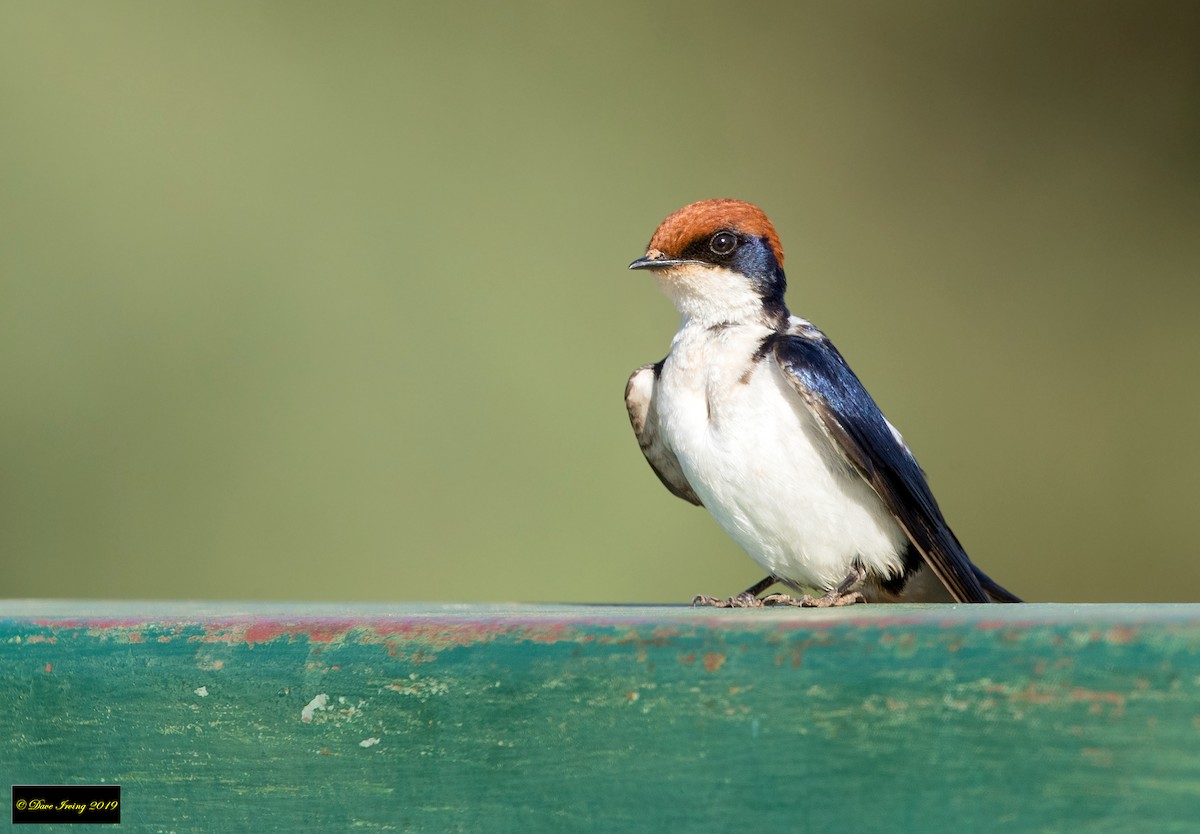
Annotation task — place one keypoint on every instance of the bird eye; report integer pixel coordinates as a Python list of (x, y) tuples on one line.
[(722, 243)]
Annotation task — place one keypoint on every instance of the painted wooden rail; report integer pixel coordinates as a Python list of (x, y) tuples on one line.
[(487, 718)]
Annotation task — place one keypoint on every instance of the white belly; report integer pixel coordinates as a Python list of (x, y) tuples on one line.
[(763, 467)]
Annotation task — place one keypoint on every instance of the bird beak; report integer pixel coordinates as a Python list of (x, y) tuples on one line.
[(654, 259)]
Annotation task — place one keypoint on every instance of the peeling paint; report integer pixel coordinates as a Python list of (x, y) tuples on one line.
[(320, 702)]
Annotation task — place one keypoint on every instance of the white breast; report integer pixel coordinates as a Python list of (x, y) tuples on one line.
[(758, 459)]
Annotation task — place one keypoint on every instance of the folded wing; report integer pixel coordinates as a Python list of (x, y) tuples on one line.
[(857, 429)]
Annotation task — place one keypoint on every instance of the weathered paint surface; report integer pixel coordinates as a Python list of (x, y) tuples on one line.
[(576, 718)]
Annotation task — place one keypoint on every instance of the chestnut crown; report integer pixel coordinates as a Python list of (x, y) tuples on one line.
[(699, 223)]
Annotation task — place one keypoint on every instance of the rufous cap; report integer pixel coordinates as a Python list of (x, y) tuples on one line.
[(697, 221)]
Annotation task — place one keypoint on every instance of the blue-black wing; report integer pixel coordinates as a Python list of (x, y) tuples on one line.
[(858, 429)]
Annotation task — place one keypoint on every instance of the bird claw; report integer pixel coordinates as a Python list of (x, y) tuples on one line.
[(743, 600), (834, 598), (831, 600), (747, 600)]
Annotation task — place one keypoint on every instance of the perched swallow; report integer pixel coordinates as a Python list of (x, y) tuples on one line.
[(756, 416)]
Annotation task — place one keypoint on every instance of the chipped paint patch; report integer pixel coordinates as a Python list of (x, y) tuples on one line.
[(320, 702), (205, 662), (419, 687)]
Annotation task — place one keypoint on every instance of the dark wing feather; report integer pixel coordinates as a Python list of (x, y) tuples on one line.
[(857, 427), (639, 400), (995, 591)]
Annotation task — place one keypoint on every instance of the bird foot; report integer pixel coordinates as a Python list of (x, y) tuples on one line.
[(747, 600), (831, 600), (743, 600)]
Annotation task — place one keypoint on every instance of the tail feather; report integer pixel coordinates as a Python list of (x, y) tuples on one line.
[(993, 589)]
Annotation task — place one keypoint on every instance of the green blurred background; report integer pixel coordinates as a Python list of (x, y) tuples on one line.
[(329, 300)]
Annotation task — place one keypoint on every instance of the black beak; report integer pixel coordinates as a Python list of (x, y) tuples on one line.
[(646, 262)]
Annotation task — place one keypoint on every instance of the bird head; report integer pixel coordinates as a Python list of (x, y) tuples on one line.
[(719, 261)]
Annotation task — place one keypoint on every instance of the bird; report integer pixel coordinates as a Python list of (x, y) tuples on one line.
[(755, 415)]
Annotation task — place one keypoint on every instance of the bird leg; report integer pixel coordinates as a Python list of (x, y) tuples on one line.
[(746, 599), (843, 594)]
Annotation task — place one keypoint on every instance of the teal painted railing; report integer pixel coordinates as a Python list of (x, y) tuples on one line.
[(486, 718)]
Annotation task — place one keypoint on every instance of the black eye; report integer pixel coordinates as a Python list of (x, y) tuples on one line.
[(722, 243)]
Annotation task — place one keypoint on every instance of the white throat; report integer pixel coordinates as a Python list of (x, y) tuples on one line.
[(708, 295)]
